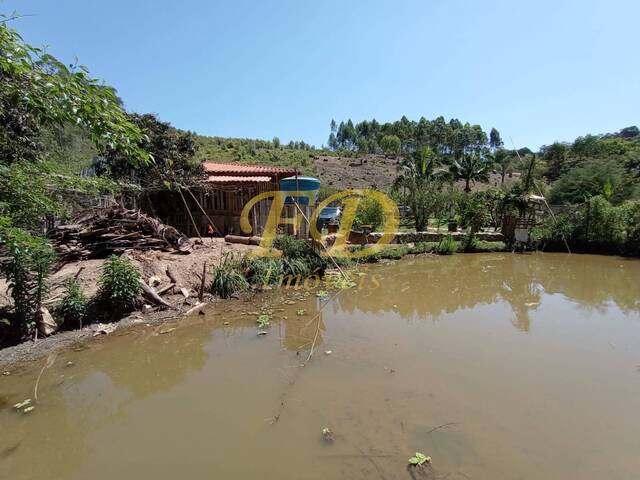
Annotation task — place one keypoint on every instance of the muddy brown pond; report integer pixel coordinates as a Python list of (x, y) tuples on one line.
[(497, 366)]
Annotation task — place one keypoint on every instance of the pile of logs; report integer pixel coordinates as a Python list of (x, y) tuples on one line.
[(101, 231)]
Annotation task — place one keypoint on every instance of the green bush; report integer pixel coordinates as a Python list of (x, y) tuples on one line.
[(228, 277), (263, 271), (469, 243), (369, 212), (26, 265), (119, 283), (73, 307), (299, 257), (423, 247), (447, 246)]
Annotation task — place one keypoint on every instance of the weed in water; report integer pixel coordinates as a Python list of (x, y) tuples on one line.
[(263, 320)]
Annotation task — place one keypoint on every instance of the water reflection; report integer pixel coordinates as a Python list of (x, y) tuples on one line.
[(427, 287)]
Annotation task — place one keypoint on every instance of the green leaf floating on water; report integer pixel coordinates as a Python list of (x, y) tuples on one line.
[(322, 294), (419, 459)]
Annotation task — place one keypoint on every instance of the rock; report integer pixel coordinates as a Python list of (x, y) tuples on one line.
[(46, 324), (184, 292), (154, 281)]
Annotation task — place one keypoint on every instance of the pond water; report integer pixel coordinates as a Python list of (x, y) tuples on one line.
[(498, 366)]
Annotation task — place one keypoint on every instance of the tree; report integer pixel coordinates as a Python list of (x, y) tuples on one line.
[(37, 90), (556, 157), (390, 145), (470, 168), (495, 141), (629, 132), (469, 152), (419, 184), (172, 152), (276, 142), (503, 161)]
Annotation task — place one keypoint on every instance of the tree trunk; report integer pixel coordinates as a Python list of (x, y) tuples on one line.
[(467, 188)]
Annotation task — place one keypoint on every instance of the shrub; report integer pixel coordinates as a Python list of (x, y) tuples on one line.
[(423, 247), (295, 253), (552, 233), (119, 283), (447, 246), (263, 271), (74, 304), (26, 265), (228, 277), (369, 212), (470, 243)]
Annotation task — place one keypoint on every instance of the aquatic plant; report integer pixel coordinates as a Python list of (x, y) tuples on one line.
[(263, 320), (419, 459), (228, 277)]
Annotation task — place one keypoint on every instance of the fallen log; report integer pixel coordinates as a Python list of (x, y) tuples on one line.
[(197, 308), (153, 296)]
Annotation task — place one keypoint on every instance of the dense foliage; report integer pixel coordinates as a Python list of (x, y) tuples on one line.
[(172, 152)]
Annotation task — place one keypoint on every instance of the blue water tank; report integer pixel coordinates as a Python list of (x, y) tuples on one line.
[(300, 184)]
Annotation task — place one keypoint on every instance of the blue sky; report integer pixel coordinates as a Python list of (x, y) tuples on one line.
[(538, 71)]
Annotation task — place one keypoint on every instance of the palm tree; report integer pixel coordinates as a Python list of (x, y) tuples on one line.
[(471, 167), (418, 185), (503, 161)]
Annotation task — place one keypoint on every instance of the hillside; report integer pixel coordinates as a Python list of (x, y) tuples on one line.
[(256, 152)]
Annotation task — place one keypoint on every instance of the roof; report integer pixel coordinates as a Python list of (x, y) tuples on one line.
[(238, 169), (237, 178)]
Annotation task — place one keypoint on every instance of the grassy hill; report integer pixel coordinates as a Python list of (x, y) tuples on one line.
[(255, 152)]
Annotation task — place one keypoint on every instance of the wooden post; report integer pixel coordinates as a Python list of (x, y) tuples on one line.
[(202, 281), (189, 212)]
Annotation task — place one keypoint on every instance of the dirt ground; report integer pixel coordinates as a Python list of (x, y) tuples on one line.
[(186, 269)]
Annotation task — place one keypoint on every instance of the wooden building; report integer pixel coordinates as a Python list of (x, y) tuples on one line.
[(220, 197)]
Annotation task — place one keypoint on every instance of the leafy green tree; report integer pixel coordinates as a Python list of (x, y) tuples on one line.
[(172, 152), (590, 179), (390, 145), (503, 160), (495, 141), (276, 142), (38, 90), (419, 185)]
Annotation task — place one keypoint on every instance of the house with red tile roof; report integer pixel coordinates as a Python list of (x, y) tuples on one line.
[(215, 203)]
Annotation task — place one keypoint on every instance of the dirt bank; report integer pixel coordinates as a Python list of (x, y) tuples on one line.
[(185, 270)]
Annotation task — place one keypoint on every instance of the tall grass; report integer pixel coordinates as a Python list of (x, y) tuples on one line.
[(228, 277)]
